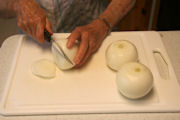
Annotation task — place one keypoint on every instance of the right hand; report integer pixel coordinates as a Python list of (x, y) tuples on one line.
[(32, 19)]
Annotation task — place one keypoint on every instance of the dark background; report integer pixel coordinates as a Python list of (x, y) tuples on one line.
[(169, 15)]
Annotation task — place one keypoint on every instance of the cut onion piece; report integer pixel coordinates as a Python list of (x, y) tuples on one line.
[(44, 68), (59, 59)]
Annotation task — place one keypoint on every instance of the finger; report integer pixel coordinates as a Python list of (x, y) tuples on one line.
[(75, 35), (40, 32), (88, 54), (26, 29), (23, 27), (31, 28), (34, 30), (26, 26), (82, 49), (48, 26), (21, 24)]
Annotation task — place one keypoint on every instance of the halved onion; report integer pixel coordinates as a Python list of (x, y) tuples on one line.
[(59, 59)]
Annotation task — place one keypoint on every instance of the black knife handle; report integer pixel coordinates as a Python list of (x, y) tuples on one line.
[(47, 36)]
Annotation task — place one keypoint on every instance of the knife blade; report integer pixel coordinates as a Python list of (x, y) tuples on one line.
[(48, 38)]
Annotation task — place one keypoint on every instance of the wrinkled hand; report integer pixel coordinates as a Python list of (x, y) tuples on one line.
[(90, 38), (32, 19)]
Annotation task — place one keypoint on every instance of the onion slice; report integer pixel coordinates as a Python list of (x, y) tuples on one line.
[(44, 68)]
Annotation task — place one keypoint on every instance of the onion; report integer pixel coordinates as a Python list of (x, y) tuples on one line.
[(134, 80), (119, 53), (60, 61), (44, 68)]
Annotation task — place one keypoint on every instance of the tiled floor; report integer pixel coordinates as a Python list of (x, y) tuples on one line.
[(8, 27)]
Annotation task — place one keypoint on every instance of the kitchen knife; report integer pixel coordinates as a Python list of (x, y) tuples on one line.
[(47, 37)]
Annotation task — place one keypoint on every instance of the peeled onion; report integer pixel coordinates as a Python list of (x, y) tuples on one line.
[(119, 53), (60, 61), (134, 80), (44, 68)]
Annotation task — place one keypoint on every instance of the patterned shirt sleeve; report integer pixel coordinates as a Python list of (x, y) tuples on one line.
[(65, 15)]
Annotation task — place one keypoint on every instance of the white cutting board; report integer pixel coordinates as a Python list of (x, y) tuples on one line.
[(91, 89)]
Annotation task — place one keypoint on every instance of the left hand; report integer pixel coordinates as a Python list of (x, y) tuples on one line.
[(90, 38)]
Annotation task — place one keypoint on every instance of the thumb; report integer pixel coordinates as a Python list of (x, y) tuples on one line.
[(48, 26)]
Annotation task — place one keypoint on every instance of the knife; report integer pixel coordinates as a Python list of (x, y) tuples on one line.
[(48, 38)]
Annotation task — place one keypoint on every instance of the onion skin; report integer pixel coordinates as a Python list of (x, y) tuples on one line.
[(134, 80), (119, 53)]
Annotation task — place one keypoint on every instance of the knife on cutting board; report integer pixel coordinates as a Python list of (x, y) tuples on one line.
[(48, 38)]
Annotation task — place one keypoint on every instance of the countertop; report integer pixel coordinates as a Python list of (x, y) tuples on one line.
[(171, 40)]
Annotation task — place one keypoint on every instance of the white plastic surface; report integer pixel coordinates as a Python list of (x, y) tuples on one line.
[(91, 89), (162, 65)]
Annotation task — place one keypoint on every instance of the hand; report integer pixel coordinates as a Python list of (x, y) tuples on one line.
[(32, 19), (90, 38)]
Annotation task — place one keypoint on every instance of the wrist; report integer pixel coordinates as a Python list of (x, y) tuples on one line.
[(106, 23)]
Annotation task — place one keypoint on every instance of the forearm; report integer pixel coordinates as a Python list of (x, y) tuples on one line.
[(116, 10), (7, 8)]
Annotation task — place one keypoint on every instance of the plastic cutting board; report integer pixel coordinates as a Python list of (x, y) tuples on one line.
[(91, 89)]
